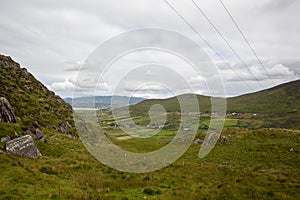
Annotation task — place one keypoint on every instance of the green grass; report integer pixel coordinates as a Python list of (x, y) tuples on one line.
[(153, 143), (250, 165), (227, 123), (10, 129)]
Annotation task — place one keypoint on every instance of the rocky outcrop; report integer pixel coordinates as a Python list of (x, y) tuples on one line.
[(63, 128), (34, 105), (7, 61), (23, 146), (6, 111)]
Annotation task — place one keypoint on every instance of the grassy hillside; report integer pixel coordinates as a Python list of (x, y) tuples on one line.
[(284, 98), (33, 104), (171, 104), (251, 165), (277, 107)]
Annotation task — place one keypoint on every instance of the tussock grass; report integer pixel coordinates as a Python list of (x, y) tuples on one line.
[(250, 165)]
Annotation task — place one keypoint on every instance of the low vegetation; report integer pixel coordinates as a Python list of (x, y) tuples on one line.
[(260, 164)]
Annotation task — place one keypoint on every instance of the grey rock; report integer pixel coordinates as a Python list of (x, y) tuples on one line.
[(23, 146), (6, 111), (45, 90), (36, 124), (1, 151), (29, 132), (68, 124), (5, 139), (197, 141), (63, 129), (15, 135), (39, 135), (223, 139), (204, 127)]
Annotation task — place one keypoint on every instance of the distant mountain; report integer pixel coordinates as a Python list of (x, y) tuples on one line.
[(280, 105), (102, 102), (33, 104)]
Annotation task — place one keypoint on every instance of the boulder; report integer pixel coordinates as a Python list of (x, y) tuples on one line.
[(5, 139), (6, 111), (39, 135), (29, 132), (23, 146)]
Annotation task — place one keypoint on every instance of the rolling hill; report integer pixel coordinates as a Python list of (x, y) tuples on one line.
[(277, 107), (284, 98)]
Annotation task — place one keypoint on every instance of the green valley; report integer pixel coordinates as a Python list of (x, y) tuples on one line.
[(258, 159)]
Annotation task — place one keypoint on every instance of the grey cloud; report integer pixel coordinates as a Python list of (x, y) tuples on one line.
[(294, 65), (279, 72), (49, 37), (73, 66), (278, 5)]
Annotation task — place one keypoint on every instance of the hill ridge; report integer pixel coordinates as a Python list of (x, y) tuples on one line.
[(279, 104), (33, 104)]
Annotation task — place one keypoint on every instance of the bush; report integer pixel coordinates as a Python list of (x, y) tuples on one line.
[(48, 170), (149, 191)]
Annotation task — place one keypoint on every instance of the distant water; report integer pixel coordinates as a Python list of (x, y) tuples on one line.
[(85, 108)]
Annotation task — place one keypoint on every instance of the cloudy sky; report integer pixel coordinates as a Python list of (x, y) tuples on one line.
[(54, 39)]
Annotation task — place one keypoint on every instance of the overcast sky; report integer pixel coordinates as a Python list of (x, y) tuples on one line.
[(52, 39)]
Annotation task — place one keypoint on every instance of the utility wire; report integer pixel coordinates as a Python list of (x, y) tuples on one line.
[(247, 41), (205, 41), (225, 40)]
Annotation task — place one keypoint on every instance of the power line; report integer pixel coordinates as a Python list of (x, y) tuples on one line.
[(247, 41), (205, 41), (226, 41)]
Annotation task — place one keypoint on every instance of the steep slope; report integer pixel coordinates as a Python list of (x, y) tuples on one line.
[(33, 104), (279, 99)]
